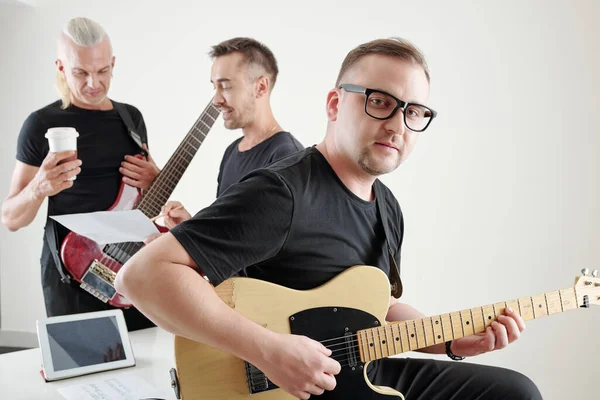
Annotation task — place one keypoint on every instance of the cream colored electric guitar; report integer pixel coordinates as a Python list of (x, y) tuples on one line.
[(347, 315)]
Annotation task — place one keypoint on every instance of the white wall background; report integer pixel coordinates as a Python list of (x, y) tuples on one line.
[(500, 196)]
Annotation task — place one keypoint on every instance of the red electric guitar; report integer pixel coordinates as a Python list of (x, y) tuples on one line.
[(95, 266)]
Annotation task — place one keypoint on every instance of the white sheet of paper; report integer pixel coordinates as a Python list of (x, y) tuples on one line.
[(122, 387), (106, 227)]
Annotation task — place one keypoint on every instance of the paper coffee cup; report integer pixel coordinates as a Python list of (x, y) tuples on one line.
[(63, 139)]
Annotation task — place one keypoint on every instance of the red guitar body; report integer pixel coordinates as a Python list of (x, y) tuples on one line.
[(79, 253)]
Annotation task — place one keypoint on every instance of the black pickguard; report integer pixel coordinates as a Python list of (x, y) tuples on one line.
[(325, 323)]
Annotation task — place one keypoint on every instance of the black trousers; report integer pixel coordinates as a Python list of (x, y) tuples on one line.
[(65, 299), (425, 379)]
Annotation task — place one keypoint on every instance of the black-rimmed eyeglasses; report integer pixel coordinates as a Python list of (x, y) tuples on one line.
[(381, 105)]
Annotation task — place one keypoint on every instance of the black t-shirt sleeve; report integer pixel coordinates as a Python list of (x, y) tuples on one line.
[(32, 145), (247, 225)]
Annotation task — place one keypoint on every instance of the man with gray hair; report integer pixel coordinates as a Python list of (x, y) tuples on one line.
[(105, 157)]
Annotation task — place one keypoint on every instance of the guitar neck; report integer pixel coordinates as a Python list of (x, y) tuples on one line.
[(164, 184), (400, 337)]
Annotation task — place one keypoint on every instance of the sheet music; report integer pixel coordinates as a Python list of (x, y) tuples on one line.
[(105, 227), (121, 387)]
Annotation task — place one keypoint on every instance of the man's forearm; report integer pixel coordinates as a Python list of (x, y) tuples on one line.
[(199, 314), (18, 211)]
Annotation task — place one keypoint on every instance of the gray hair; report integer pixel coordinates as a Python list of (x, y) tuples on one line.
[(84, 33)]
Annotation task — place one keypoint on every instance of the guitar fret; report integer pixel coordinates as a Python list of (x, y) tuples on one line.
[(389, 338), (525, 306), (382, 352), (418, 335), (437, 329), (403, 344), (539, 302), (568, 299), (491, 315), (192, 137), (476, 322), (465, 323), (376, 354), (499, 307), (514, 305), (456, 319), (394, 337), (412, 340), (197, 129), (446, 321), (370, 346), (554, 302), (363, 346), (561, 301), (207, 120), (428, 329)]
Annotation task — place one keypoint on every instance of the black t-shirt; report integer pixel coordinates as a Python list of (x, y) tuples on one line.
[(237, 164), (102, 145), (293, 223)]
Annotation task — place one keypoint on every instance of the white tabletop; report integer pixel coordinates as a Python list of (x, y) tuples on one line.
[(20, 377)]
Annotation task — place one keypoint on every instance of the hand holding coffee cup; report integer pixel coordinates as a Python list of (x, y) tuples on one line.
[(61, 166), (63, 139)]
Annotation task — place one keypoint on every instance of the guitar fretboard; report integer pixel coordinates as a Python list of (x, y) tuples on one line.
[(400, 337), (164, 184)]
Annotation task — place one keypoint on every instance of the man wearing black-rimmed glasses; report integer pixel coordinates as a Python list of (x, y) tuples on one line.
[(302, 221)]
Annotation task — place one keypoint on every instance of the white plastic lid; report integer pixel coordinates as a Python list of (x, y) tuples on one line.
[(61, 133)]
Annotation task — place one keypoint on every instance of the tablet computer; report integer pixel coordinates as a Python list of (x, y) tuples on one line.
[(79, 344)]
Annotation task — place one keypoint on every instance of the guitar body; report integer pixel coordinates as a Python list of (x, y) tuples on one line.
[(356, 299), (78, 253)]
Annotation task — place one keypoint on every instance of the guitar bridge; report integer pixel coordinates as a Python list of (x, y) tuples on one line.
[(99, 281), (257, 380)]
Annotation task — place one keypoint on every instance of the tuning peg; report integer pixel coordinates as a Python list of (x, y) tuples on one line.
[(585, 272), (595, 273)]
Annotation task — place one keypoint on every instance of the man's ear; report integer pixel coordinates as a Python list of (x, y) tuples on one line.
[(59, 65), (263, 86), (333, 101)]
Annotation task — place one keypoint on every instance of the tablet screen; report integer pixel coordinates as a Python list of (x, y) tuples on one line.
[(85, 342)]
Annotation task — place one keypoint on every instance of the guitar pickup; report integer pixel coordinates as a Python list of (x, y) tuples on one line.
[(99, 281), (350, 340)]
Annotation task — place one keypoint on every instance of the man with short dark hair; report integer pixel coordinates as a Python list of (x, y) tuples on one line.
[(303, 222), (243, 74)]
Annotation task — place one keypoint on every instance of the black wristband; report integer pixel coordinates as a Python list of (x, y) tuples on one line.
[(452, 355)]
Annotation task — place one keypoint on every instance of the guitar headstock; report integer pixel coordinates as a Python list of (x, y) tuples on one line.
[(587, 288)]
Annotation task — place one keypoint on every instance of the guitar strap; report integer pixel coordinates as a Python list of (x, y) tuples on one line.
[(139, 136), (52, 239), (395, 281)]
